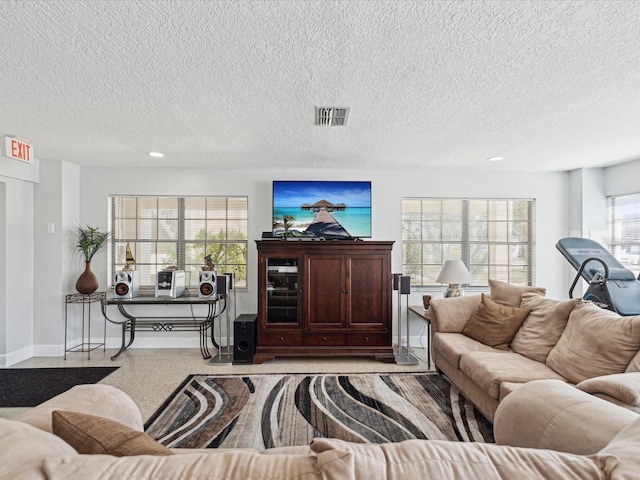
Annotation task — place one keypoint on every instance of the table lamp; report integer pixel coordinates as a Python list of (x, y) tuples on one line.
[(454, 273)]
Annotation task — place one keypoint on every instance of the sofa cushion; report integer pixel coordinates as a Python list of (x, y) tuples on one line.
[(623, 386), (494, 324), (556, 415), (97, 399), (23, 448), (508, 387), (90, 434), (620, 459), (443, 460), (209, 465), (509, 294), (452, 314), (490, 369), (543, 327), (595, 342), (452, 345), (634, 364)]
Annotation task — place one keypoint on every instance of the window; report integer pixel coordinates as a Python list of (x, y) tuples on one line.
[(494, 238), (624, 212), (166, 231)]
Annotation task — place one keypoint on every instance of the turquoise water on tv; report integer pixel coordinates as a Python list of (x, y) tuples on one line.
[(355, 220)]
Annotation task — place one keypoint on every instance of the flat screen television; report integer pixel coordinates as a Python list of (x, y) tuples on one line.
[(322, 209)]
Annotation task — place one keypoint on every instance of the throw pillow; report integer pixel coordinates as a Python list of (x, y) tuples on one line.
[(621, 386), (495, 324), (509, 294), (90, 434), (543, 326), (595, 342)]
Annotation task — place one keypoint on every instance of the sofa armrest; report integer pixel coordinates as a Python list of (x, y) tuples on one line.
[(451, 315), (555, 415), (623, 387), (96, 399)]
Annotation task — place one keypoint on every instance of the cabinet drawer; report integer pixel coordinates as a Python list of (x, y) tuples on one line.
[(330, 339), (283, 338), (366, 339)]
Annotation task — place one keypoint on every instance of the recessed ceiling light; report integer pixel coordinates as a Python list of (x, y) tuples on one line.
[(495, 159), (156, 154)]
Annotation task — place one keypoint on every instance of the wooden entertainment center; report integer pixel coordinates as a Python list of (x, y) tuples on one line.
[(324, 298)]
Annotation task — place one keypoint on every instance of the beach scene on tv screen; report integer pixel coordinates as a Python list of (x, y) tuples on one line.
[(322, 209)]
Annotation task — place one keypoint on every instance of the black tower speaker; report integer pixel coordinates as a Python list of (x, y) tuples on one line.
[(405, 284), (244, 338), (396, 280)]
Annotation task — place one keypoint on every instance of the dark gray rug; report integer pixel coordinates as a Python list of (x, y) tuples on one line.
[(28, 387), (263, 411)]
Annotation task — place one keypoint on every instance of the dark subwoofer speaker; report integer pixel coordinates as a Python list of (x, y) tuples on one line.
[(244, 338)]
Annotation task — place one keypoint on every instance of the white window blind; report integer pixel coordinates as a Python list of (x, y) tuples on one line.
[(493, 237), (624, 212), (164, 231)]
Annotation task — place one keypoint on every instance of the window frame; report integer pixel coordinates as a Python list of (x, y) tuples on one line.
[(619, 245), (429, 270), (181, 242)]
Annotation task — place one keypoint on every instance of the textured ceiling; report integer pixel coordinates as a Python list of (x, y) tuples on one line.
[(549, 85)]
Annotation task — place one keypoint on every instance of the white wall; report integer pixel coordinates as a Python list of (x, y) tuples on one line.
[(16, 265), (57, 200), (18, 271), (3, 271), (588, 213), (550, 190), (623, 179)]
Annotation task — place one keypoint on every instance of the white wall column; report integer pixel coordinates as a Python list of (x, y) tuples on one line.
[(56, 215)]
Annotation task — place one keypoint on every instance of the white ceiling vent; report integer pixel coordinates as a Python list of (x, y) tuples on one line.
[(332, 116)]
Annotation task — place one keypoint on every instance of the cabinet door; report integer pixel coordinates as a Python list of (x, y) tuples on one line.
[(367, 286), (324, 291), (280, 298)]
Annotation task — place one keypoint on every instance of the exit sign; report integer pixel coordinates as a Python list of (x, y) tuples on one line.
[(18, 149)]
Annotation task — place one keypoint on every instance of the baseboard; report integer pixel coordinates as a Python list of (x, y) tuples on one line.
[(414, 341), (16, 357), (166, 341), (48, 351)]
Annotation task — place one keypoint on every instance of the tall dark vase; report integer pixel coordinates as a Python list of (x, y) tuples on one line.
[(87, 282)]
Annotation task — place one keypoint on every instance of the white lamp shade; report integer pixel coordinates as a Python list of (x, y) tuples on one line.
[(454, 272)]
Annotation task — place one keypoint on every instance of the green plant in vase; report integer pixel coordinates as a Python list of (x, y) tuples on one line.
[(89, 241)]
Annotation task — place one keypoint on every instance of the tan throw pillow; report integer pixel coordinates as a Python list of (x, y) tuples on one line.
[(543, 326), (621, 386), (90, 434), (508, 294), (494, 324), (595, 342)]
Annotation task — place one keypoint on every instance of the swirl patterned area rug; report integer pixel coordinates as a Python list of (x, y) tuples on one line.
[(265, 411)]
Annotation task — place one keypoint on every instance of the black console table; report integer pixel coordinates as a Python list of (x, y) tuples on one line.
[(133, 323)]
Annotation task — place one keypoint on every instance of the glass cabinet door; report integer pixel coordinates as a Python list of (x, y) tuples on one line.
[(282, 290)]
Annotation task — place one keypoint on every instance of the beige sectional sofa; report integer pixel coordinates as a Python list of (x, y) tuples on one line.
[(559, 379), (29, 449), (571, 341)]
